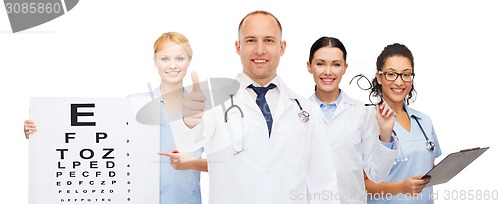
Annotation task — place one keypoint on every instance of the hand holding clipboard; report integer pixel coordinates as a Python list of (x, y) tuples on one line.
[(452, 164)]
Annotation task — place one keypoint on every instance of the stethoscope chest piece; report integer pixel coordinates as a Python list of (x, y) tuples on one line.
[(430, 145), (304, 115)]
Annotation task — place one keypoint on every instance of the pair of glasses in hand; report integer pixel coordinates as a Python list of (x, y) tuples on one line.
[(364, 84)]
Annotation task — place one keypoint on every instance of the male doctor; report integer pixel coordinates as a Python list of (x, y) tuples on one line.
[(266, 153)]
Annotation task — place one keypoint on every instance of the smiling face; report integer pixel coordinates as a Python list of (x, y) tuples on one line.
[(260, 47), (327, 67), (172, 62), (394, 92)]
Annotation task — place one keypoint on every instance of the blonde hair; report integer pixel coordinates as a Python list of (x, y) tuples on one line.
[(174, 37)]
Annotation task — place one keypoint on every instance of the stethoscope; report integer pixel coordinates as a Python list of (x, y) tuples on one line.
[(428, 144), (303, 116)]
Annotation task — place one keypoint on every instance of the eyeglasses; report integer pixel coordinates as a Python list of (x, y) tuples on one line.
[(393, 76), (364, 84)]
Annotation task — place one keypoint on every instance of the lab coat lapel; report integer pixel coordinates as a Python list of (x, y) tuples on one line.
[(339, 110), (312, 98), (245, 96), (346, 101), (284, 103)]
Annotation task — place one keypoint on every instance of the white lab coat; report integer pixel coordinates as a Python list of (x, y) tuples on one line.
[(279, 169), (353, 135)]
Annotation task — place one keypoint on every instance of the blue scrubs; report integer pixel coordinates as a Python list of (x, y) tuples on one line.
[(419, 159), (176, 186)]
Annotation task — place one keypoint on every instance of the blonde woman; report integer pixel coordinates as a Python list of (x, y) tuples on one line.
[(172, 55)]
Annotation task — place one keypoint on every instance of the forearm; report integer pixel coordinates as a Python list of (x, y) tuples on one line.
[(378, 158), (197, 164), (383, 188)]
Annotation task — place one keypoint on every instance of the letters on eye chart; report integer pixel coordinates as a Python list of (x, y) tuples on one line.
[(92, 150)]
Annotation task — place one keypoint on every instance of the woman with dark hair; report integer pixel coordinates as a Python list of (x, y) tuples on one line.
[(356, 142), (414, 132)]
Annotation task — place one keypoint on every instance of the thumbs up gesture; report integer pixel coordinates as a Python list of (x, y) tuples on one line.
[(193, 104)]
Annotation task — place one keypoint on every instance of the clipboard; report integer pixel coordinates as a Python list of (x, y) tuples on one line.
[(452, 164)]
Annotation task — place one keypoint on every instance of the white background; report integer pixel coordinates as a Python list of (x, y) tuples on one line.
[(105, 48)]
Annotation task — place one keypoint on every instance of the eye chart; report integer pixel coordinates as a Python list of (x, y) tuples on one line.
[(93, 150)]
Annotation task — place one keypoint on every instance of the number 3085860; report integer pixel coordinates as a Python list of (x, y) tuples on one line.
[(32, 8)]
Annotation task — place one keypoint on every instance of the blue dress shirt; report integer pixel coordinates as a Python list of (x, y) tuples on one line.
[(328, 108)]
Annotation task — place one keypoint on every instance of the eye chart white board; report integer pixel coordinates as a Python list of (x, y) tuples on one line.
[(92, 150)]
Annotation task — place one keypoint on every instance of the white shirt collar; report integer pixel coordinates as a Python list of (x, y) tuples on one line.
[(245, 81)]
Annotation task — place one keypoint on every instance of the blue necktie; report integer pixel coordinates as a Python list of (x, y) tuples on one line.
[(262, 103)]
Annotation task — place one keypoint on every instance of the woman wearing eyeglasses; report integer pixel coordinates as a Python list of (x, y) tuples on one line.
[(413, 130), (356, 141)]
